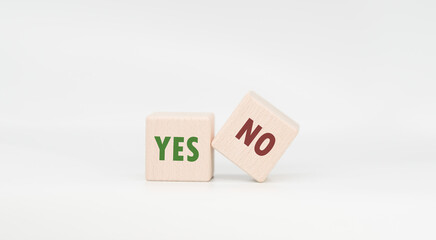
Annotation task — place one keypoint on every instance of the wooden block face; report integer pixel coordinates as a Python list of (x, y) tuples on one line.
[(255, 136), (178, 146)]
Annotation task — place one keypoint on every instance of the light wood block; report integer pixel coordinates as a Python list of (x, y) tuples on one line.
[(178, 146), (255, 136)]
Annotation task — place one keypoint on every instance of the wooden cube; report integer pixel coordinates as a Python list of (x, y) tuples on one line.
[(178, 146), (255, 136)]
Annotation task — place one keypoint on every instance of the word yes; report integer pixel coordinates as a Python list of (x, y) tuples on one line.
[(177, 148)]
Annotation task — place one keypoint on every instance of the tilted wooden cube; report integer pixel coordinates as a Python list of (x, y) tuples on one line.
[(178, 146), (255, 136)]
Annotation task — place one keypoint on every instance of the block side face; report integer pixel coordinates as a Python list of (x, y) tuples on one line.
[(212, 136), (169, 169), (245, 156)]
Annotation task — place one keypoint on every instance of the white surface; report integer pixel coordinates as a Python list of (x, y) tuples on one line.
[(78, 79)]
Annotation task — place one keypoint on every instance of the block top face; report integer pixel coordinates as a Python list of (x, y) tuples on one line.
[(268, 106), (255, 136)]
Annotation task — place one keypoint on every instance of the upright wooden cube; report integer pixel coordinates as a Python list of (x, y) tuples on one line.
[(178, 146), (255, 136)]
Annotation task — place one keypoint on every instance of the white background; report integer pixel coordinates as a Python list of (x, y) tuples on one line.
[(78, 78)]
